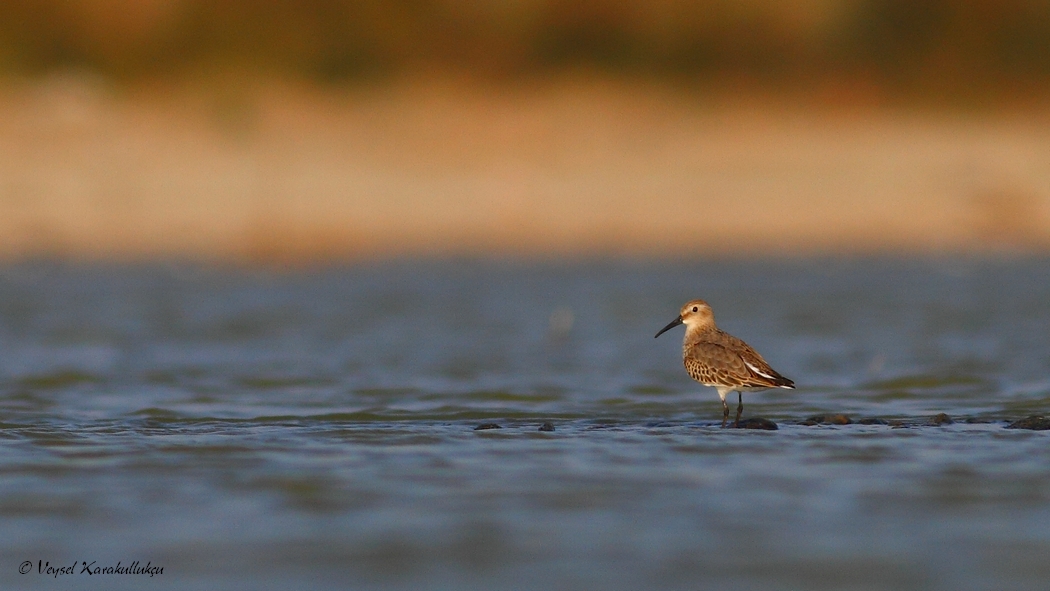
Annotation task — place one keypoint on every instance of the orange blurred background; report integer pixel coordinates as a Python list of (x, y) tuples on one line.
[(280, 131)]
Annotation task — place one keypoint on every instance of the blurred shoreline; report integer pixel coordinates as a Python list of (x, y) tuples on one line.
[(268, 171)]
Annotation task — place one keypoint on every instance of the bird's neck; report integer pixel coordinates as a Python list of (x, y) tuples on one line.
[(696, 333)]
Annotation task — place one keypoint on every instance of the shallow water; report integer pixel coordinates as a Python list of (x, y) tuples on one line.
[(264, 430)]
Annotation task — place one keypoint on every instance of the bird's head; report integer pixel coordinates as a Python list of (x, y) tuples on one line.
[(694, 314)]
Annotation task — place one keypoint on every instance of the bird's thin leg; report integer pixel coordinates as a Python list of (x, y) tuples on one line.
[(739, 408), (725, 413)]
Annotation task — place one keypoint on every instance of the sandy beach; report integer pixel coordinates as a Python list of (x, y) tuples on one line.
[(281, 173)]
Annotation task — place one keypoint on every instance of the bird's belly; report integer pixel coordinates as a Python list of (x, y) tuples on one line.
[(735, 388)]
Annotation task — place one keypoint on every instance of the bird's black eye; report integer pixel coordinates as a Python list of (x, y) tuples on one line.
[(695, 309)]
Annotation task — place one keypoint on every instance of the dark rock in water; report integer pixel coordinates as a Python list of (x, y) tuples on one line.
[(485, 426), (1034, 422), (940, 419), (872, 421), (547, 427), (836, 419), (756, 423), (978, 420)]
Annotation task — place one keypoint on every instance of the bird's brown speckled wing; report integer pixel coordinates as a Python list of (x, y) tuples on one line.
[(724, 360)]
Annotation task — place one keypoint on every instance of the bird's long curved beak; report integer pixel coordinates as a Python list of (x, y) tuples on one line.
[(673, 324)]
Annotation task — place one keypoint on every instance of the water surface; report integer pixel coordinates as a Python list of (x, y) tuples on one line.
[(315, 429)]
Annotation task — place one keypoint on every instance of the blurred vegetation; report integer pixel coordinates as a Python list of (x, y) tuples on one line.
[(947, 46)]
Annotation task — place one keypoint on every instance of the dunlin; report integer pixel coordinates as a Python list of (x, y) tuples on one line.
[(718, 359)]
